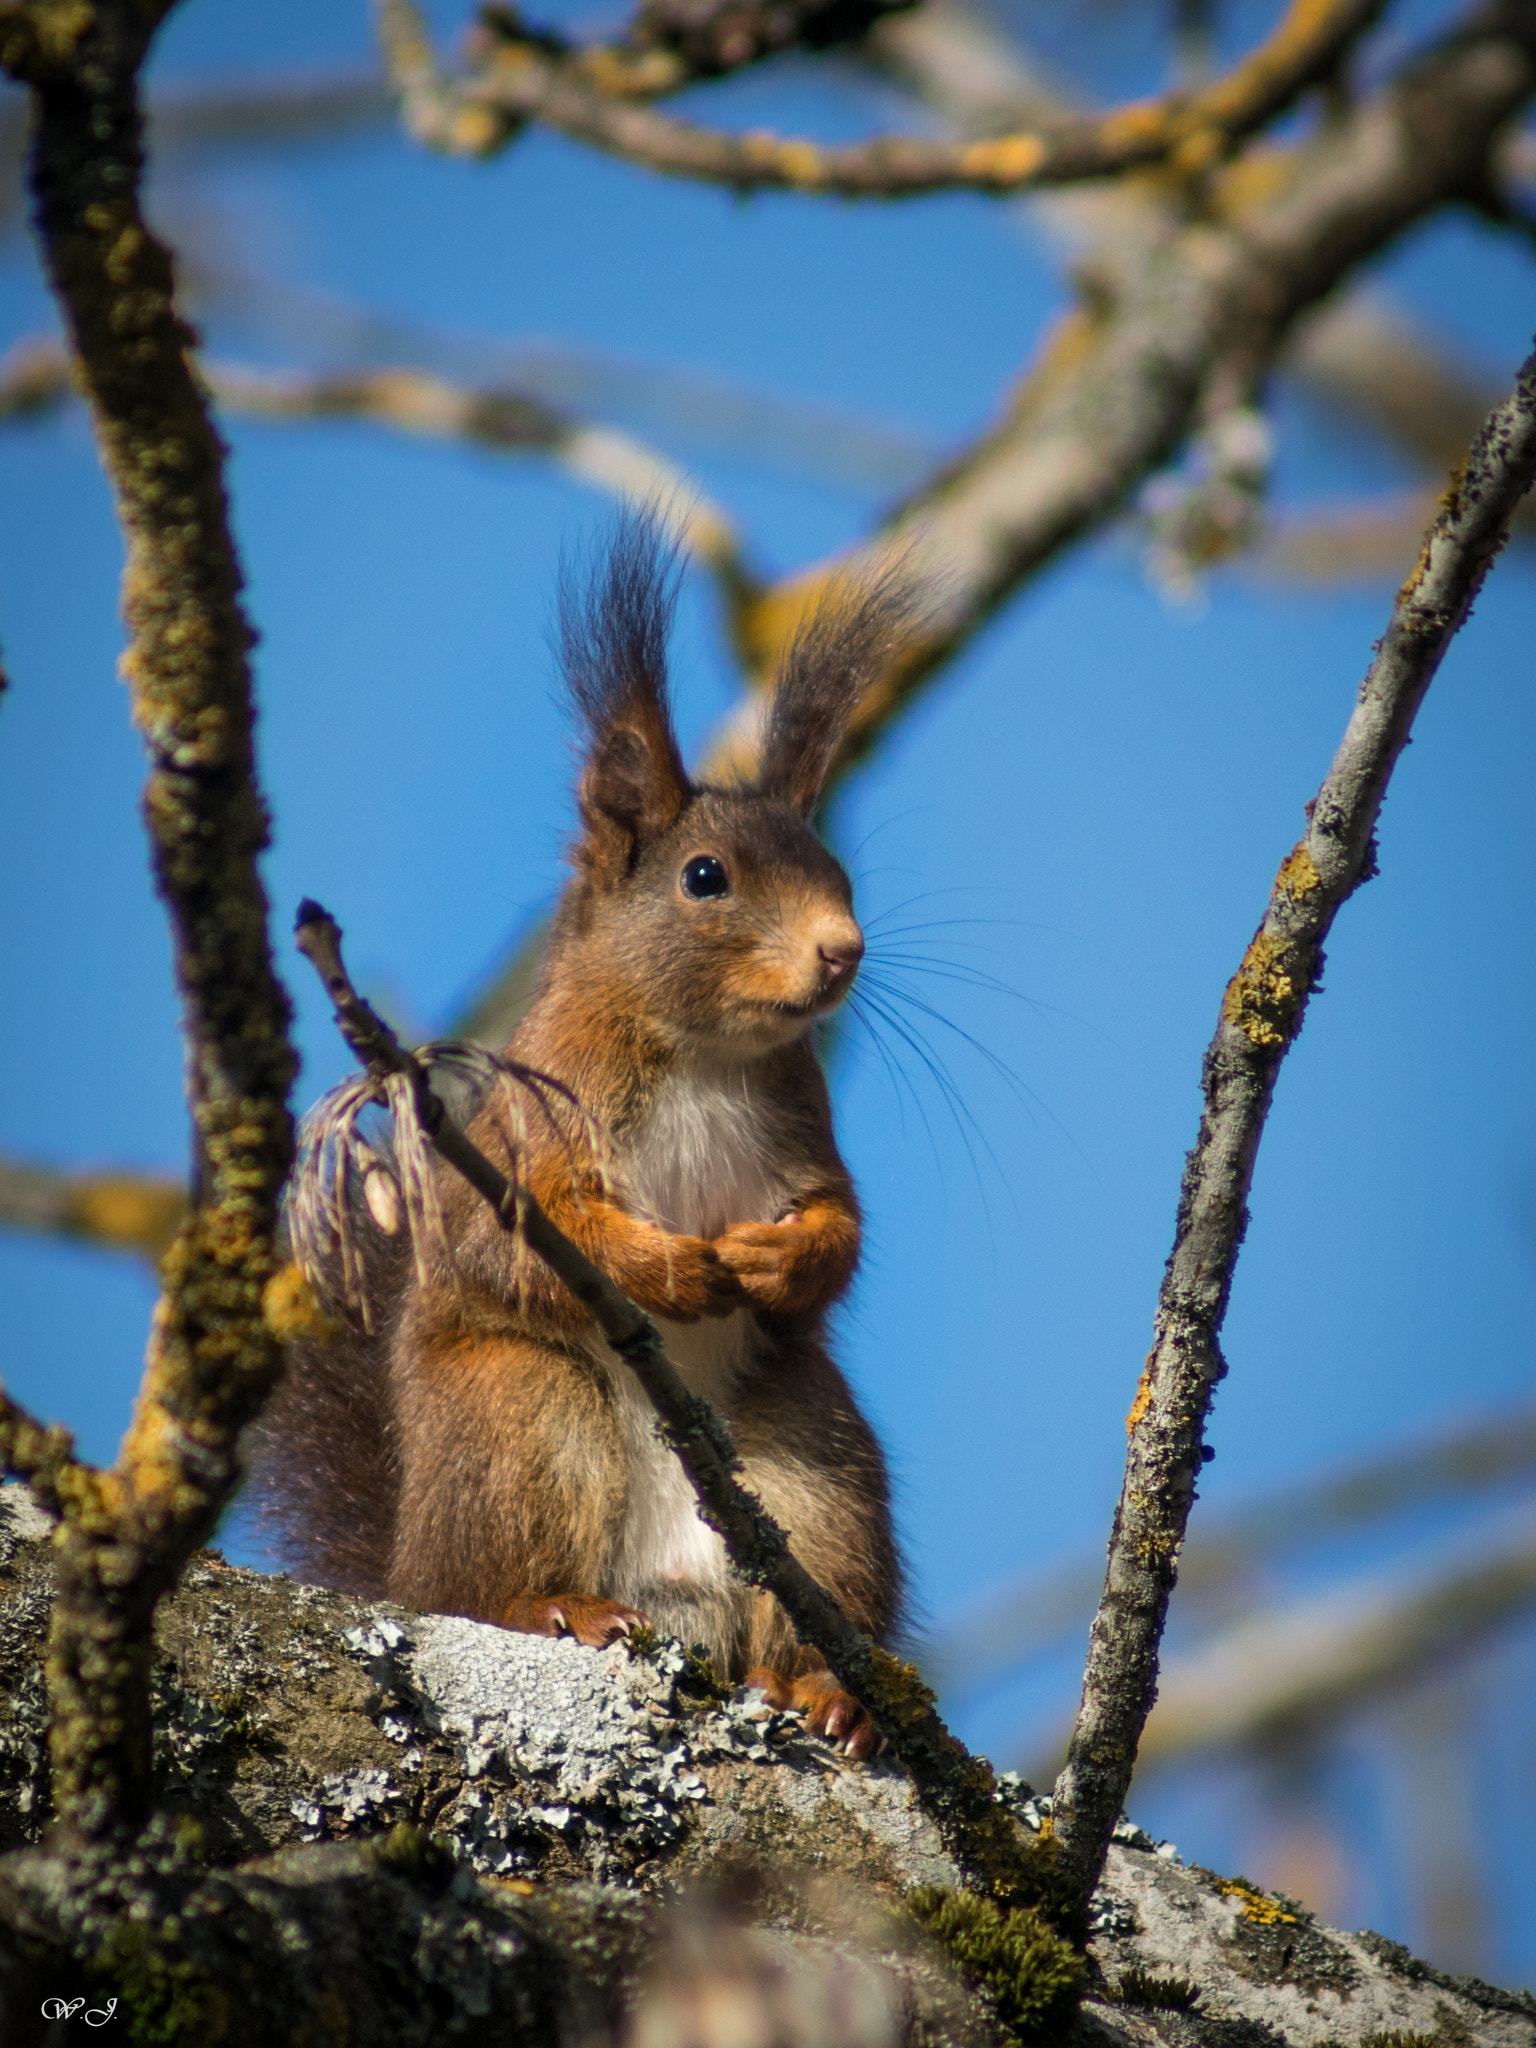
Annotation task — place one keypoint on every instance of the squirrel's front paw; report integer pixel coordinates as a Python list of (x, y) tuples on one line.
[(692, 1281), (770, 1262)]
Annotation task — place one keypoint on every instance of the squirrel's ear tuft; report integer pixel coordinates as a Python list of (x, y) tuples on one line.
[(612, 643), (854, 635)]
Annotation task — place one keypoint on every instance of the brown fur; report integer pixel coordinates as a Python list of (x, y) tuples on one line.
[(505, 1466)]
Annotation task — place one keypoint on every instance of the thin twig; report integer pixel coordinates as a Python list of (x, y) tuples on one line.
[(588, 94), (1261, 1013), (212, 1355), (957, 1789)]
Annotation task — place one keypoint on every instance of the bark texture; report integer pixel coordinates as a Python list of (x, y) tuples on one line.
[(381, 1827)]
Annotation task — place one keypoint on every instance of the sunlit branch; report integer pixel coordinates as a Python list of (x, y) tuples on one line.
[(1261, 1014), (523, 79)]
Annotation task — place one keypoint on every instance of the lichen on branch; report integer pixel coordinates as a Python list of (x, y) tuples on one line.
[(595, 95), (212, 1358)]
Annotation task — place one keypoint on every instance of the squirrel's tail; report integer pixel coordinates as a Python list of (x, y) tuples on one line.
[(324, 1465)]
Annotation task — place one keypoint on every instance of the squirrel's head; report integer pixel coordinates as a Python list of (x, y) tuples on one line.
[(713, 915)]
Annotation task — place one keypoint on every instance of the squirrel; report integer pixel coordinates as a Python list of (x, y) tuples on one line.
[(480, 1451)]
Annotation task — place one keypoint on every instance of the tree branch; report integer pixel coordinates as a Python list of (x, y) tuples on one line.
[(1019, 1620), (124, 1211), (1175, 312), (957, 1789), (35, 377), (1284, 1670), (591, 95), (1261, 1013), (212, 1355)]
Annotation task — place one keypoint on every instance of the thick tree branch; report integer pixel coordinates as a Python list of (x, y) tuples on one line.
[(1176, 313), (588, 95), (1261, 1013), (212, 1355), (957, 1789)]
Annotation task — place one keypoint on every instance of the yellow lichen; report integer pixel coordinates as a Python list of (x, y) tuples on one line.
[(1198, 151), (897, 1692), (1298, 873), (118, 1209), (290, 1309), (1008, 160), (802, 164), (1143, 1400), (1257, 1906), (1261, 997)]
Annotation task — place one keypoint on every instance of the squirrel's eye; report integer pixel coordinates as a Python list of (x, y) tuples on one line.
[(706, 876)]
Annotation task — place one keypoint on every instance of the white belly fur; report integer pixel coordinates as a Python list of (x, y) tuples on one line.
[(700, 1163)]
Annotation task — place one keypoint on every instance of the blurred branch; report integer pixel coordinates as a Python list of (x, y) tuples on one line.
[(582, 93), (678, 405), (1366, 359), (126, 1534), (1373, 363), (35, 377), (958, 63), (1286, 1671), (1345, 543), (1178, 314), (1021, 1620), (278, 110), (122, 1211), (1261, 1014)]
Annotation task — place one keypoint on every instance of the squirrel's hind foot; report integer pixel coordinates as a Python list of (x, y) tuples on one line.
[(829, 1711)]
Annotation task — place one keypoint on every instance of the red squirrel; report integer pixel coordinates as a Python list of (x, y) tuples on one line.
[(482, 1452)]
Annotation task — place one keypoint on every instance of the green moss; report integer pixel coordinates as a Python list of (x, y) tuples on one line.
[(410, 1852), (163, 1999), (1033, 1977), (1164, 1994)]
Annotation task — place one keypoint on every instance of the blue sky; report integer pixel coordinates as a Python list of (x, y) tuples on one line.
[(1103, 784)]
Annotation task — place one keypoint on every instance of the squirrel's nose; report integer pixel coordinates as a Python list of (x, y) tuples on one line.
[(840, 955)]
